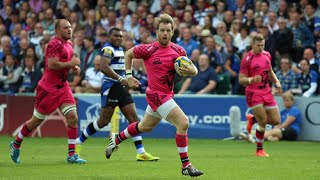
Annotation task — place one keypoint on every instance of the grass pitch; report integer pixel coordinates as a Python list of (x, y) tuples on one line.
[(45, 158)]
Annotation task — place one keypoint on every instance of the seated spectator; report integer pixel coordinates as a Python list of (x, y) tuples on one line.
[(307, 79), (93, 78), (308, 54), (204, 82), (291, 119), (30, 76), (10, 75), (286, 76), (188, 43), (221, 31), (215, 57), (302, 36), (232, 66), (195, 56), (317, 54), (87, 54), (48, 21), (283, 38), (244, 40), (6, 47), (36, 34)]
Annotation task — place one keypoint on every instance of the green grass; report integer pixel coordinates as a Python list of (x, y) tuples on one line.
[(44, 158)]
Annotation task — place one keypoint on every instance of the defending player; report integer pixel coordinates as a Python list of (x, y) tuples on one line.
[(159, 60), (114, 93), (255, 73), (53, 91)]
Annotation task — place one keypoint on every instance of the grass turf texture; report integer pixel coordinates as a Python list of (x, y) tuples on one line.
[(45, 158)]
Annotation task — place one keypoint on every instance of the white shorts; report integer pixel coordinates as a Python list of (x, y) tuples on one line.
[(163, 110)]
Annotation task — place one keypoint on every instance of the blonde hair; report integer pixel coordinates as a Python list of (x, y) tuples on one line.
[(165, 19), (257, 37), (288, 95)]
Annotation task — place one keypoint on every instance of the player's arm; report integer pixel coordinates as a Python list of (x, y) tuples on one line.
[(273, 78), (106, 70), (190, 70), (55, 64), (194, 70), (128, 58), (245, 80)]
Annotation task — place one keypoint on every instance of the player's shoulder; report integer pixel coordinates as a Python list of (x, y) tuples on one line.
[(178, 48), (70, 43), (266, 53), (248, 56), (107, 45), (147, 48), (107, 49), (151, 45), (55, 42)]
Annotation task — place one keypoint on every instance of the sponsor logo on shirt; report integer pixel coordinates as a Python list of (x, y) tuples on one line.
[(107, 52), (64, 56), (157, 61)]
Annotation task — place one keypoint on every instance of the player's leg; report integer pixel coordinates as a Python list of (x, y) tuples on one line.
[(96, 125), (261, 116), (273, 115), (70, 112), (251, 120), (174, 114), (130, 113), (148, 122), (27, 127), (108, 104), (44, 104)]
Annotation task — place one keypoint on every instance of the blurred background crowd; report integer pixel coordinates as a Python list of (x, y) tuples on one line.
[(216, 35)]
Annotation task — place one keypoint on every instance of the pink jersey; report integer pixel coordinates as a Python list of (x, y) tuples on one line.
[(257, 64), (56, 80), (159, 62)]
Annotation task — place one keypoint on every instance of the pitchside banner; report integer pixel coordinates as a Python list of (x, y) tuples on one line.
[(208, 116)]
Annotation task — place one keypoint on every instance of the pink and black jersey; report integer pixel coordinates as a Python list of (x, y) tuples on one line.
[(257, 64), (55, 80), (159, 62)]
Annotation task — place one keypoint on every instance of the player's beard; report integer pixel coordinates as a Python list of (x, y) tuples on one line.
[(67, 36), (164, 42)]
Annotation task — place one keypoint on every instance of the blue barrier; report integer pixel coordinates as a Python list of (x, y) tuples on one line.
[(208, 115)]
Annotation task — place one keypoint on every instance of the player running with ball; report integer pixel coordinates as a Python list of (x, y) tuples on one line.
[(159, 60)]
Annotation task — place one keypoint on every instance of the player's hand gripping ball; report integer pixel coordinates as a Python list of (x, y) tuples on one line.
[(182, 62)]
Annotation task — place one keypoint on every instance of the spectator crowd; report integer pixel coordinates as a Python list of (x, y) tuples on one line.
[(216, 34)]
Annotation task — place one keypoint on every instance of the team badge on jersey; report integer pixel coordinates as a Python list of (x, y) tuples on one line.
[(107, 52)]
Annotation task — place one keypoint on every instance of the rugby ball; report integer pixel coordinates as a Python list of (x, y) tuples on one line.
[(180, 62)]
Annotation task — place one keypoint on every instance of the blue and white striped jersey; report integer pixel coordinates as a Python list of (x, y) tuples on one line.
[(116, 55)]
